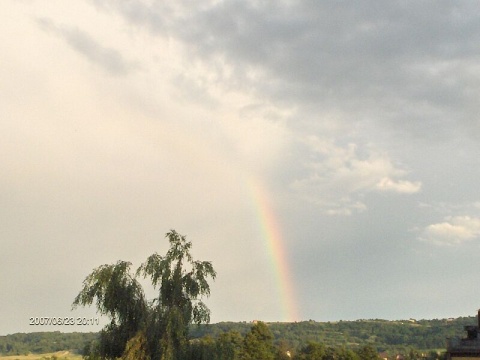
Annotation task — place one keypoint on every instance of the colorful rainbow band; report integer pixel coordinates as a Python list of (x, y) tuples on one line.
[(271, 232)]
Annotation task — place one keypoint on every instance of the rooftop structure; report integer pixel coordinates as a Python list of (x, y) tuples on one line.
[(465, 348)]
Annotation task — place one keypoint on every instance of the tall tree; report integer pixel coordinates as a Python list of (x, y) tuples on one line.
[(157, 329), (118, 295), (182, 282)]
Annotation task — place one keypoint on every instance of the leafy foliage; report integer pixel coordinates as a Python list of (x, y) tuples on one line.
[(136, 348), (149, 330), (120, 296), (258, 343)]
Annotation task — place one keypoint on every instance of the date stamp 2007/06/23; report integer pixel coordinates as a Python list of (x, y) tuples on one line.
[(66, 320)]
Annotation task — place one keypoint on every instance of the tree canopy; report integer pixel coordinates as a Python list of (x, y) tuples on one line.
[(258, 343), (156, 329)]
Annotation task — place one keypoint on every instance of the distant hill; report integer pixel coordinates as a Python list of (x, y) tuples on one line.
[(384, 335), (44, 342)]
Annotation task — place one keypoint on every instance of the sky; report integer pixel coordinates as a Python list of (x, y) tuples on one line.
[(324, 156)]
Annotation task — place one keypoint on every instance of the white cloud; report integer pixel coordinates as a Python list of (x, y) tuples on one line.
[(453, 231), (400, 186), (339, 176), (345, 207)]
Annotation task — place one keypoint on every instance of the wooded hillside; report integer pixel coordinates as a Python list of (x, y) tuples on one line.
[(383, 335)]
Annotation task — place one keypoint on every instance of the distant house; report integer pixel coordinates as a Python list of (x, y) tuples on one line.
[(465, 348)]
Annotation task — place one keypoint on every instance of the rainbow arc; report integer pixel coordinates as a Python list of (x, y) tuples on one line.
[(272, 234)]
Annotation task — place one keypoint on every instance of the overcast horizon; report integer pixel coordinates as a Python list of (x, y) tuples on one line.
[(354, 126)]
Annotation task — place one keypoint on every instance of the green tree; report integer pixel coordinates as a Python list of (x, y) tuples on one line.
[(137, 348), (120, 296), (182, 282), (258, 343), (312, 351), (283, 351), (229, 345), (367, 352), (157, 329), (346, 354), (203, 349)]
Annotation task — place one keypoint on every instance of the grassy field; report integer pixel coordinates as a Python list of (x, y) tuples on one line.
[(60, 355)]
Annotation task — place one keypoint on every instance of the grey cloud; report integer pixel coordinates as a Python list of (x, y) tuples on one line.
[(395, 75), (154, 15), (401, 65), (107, 58)]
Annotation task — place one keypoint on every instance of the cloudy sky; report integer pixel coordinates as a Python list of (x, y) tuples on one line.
[(353, 125)]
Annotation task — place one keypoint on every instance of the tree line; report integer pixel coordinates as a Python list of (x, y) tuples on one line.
[(45, 342), (383, 335), (394, 337), (258, 343)]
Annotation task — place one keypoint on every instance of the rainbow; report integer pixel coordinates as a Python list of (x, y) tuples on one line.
[(271, 232)]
